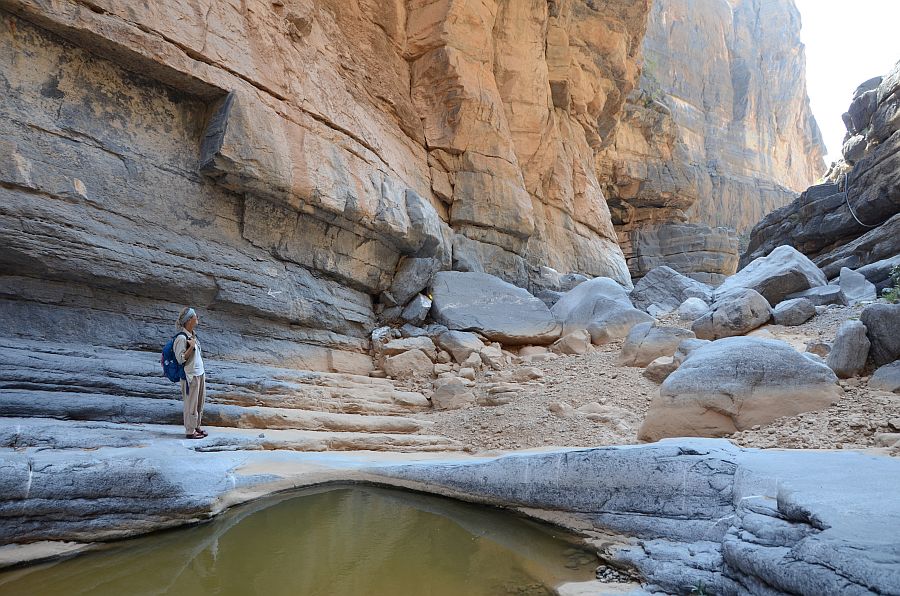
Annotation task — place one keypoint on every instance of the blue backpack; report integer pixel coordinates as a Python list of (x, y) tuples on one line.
[(171, 369)]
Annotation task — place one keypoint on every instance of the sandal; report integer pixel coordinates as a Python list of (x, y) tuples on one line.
[(201, 431), (195, 435)]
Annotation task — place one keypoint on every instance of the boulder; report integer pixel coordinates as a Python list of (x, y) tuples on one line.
[(783, 272), (856, 287), (735, 313), (647, 342), (412, 276), (886, 378), (409, 365), (822, 295), (819, 348), (417, 310), (666, 289), (793, 312), (451, 394), (548, 297), (571, 280), (398, 346), (736, 383), (578, 307), (658, 370), (692, 309), (493, 357), (882, 322), (498, 310), (577, 342), (850, 350), (460, 344), (615, 324), (601, 306)]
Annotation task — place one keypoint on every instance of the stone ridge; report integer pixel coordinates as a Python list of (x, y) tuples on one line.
[(275, 164), (712, 143), (853, 219)]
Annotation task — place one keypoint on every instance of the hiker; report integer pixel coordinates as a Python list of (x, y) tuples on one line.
[(193, 386)]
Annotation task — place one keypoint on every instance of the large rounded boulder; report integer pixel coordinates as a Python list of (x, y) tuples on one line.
[(736, 383), (602, 307), (783, 272)]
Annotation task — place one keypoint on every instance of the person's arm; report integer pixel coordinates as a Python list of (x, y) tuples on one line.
[(182, 348)]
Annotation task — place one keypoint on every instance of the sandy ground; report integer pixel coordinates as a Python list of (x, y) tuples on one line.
[(528, 422)]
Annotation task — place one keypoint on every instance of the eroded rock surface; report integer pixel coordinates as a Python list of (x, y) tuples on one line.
[(707, 146), (853, 219), (166, 155)]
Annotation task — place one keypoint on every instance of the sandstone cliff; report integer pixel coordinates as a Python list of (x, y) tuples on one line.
[(291, 166), (718, 134), (852, 220)]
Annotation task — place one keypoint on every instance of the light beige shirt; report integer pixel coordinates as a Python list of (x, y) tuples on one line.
[(193, 367)]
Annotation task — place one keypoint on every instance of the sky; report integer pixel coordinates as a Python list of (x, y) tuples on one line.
[(846, 43)]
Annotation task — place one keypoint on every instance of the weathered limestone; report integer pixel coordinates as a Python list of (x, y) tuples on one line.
[(856, 287), (665, 290), (602, 307), (781, 273), (736, 383), (793, 312), (882, 323), (850, 350), (886, 378), (853, 219), (647, 342), (712, 142), (736, 313), (500, 311)]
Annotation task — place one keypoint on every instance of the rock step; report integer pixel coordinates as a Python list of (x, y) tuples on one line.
[(19, 433), (41, 366), (113, 408)]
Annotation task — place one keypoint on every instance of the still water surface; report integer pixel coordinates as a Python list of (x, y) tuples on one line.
[(331, 542)]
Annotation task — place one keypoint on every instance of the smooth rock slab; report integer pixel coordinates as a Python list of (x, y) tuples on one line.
[(850, 350), (736, 313), (796, 311), (735, 383), (500, 311), (822, 295), (856, 287), (784, 271)]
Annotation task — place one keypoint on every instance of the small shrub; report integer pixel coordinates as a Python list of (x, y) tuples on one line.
[(892, 294)]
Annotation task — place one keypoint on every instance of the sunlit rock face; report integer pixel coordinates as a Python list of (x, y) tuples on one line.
[(274, 163), (718, 134)]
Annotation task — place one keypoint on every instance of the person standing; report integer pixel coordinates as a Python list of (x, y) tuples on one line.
[(193, 387)]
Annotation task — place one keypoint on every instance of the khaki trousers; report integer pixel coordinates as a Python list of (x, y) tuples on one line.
[(193, 392)]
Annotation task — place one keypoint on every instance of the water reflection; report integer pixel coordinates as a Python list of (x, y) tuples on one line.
[(345, 541)]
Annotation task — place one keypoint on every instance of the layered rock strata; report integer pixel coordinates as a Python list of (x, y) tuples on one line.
[(853, 220), (279, 164), (706, 147)]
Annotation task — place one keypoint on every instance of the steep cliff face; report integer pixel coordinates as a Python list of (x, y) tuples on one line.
[(853, 220), (718, 134), (282, 164)]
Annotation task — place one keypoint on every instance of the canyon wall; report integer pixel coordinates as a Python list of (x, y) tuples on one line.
[(853, 219), (296, 169), (718, 134)]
